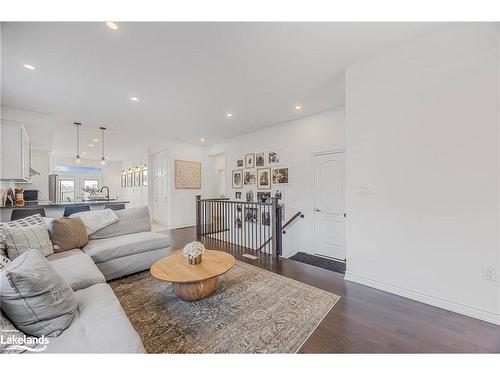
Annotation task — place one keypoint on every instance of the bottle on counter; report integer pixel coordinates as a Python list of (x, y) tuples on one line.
[(9, 200), (19, 197)]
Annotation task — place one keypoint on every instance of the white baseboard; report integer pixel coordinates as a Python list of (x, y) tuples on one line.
[(459, 308), (290, 254)]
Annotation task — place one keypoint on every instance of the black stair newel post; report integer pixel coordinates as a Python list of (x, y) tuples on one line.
[(198, 217), (277, 230)]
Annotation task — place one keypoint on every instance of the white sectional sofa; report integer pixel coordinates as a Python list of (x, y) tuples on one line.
[(123, 248)]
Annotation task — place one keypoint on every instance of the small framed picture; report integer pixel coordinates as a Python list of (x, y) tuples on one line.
[(137, 178), (250, 161), (237, 195), (249, 178), (278, 193), (129, 179), (264, 178), (249, 195), (274, 157), (237, 179), (239, 163), (145, 177), (124, 180), (280, 176), (237, 223), (263, 196), (266, 218), (259, 159), (251, 215)]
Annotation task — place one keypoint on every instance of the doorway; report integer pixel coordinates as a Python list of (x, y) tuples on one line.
[(160, 191), (329, 205), (216, 173)]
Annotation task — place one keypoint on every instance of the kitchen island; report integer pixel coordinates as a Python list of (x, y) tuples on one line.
[(57, 209)]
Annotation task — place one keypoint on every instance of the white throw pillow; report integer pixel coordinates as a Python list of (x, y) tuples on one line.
[(34, 297), (25, 222), (98, 219), (20, 240)]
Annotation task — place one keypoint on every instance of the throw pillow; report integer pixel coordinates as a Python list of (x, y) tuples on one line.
[(19, 240), (25, 222), (97, 219), (68, 233), (34, 297)]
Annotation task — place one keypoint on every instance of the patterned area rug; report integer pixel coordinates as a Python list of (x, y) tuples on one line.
[(252, 311)]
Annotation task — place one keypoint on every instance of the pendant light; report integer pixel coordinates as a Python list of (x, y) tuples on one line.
[(77, 157), (103, 159)]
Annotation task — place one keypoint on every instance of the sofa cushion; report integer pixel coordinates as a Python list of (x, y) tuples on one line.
[(119, 267), (20, 240), (131, 220), (77, 268), (67, 234), (25, 222), (116, 247), (34, 297), (100, 326), (95, 220)]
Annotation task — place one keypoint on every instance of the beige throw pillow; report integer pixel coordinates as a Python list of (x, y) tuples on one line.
[(68, 233), (19, 240)]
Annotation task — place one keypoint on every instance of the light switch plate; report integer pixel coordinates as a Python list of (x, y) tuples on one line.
[(366, 189)]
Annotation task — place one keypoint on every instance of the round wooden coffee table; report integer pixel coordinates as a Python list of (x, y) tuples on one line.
[(193, 282)]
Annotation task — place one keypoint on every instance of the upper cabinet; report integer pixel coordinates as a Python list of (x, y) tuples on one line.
[(15, 153)]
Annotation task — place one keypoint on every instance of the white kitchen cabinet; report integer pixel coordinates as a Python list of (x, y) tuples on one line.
[(15, 153)]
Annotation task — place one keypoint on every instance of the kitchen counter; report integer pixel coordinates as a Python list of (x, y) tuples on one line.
[(56, 209), (45, 204)]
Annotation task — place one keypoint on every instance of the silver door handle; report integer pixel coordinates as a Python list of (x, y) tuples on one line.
[(317, 210)]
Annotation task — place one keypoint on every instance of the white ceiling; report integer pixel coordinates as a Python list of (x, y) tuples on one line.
[(186, 75)]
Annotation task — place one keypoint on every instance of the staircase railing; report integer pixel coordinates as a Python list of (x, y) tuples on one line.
[(253, 225), (292, 219)]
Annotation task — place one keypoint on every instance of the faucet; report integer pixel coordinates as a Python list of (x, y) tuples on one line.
[(107, 191)]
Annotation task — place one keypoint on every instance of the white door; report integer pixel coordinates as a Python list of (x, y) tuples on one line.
[(329, 205), (160, 191)]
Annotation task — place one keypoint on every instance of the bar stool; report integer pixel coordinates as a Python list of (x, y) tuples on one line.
[(115, 207), (18, 213), (73, 209)]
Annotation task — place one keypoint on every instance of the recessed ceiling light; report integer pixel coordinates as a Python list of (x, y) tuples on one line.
[(84, 153), (111, 25), (28, 66), (91, 145), (95, 140), (229, 115), (134, 98), (202, 139), (298, 107)]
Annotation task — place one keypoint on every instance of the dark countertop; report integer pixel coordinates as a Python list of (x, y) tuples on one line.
[(47, 204)]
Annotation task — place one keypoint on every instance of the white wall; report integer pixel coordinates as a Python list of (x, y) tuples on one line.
[(298, 140), (40, 163), (422, 127)]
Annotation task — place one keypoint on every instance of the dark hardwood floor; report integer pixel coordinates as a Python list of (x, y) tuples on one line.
[(367, 320)]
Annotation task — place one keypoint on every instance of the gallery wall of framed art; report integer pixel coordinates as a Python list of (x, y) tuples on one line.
[(134, 176), (259, 176)]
